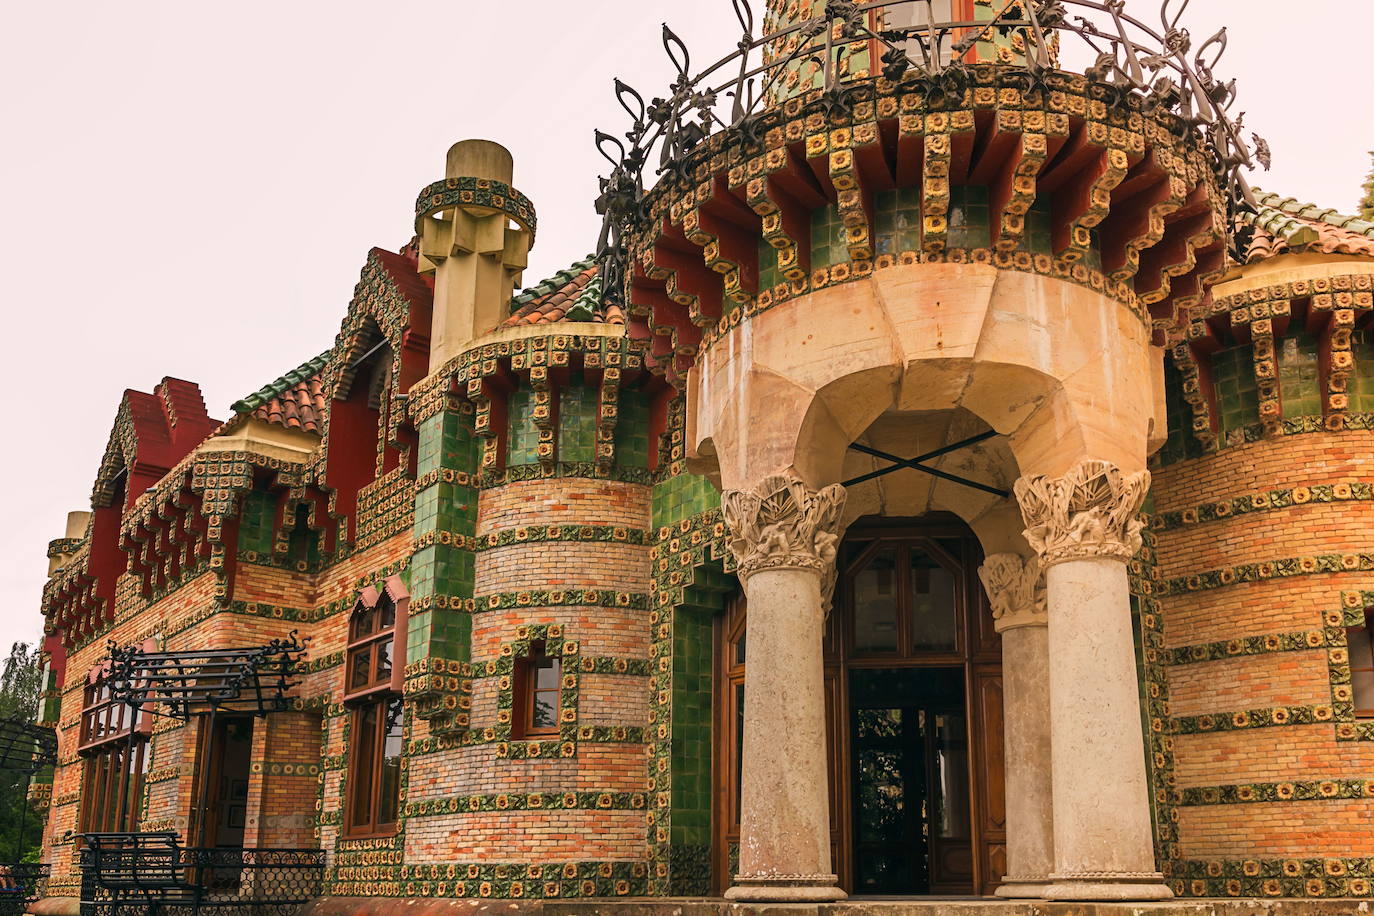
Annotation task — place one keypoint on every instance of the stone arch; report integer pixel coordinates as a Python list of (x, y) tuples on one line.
[(1064, 373)]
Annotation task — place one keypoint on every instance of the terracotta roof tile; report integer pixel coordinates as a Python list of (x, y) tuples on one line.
[(295, 401), (1285, 225), (573, 294)]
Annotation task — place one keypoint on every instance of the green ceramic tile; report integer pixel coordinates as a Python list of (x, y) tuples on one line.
[(1299, 376), (522, 442)]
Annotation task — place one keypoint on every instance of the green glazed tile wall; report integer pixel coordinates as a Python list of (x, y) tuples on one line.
[(827, 238), (1038, 238), (632, 429), (1233, 371), (447, 443), (691, 792), (769, 275), (577, 410), (897, 220), (683, 496), (255, 522), (1299, 379), (522, 439), (1181, 444), (1362, 379), (968, 217)]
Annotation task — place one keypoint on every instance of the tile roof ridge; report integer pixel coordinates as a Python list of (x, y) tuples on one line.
[(302, 373), (552, 284), (1292, 207)]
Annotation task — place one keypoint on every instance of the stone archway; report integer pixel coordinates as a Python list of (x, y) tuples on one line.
[(1068, 379)]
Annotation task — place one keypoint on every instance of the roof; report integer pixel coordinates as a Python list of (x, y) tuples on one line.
[(572, 294), (295, 400), (1284, 225)]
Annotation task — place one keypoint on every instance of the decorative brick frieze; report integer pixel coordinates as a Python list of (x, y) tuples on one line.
[(1269, 569), (1264, 501)]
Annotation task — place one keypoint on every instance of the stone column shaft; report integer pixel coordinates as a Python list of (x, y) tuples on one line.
[(1085, 528), (1016, 590), (783, 536)]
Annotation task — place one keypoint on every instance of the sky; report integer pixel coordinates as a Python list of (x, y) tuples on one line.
[(191, 189)]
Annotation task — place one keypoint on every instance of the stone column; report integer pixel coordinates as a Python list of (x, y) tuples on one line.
[(1085, 527), (1016, 590), (783, 536)]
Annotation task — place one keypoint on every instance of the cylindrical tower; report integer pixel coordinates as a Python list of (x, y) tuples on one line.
[(1261, 678)]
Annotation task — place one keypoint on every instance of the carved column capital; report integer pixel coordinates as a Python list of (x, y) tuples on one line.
[(781, 523), (1092, 512), (1016, 590)]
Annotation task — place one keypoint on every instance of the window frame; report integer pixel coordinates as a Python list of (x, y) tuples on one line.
[(377, 696), (1365, 664), (105, 735), (526, 693)]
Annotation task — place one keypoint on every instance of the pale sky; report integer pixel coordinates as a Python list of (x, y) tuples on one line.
[(191, 190)]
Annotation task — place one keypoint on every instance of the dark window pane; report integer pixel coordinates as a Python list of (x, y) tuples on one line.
[(364, 764), (951, 748), (739, 649), (875, 604), (384, 660), (390, 783), (882, 791), (739, 748), (362, 623), (360, 669), (934, 619), (386, 611)]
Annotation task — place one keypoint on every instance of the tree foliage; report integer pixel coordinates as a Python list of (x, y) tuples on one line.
[(20, 684), (1367, 200)]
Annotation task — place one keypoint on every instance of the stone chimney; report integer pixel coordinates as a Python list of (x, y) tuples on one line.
[(475, 233), (60, 551)]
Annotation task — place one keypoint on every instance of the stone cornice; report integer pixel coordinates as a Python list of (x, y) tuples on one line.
[(1092, 512)]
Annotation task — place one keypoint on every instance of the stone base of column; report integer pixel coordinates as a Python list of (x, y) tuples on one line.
[(1108, 886), (786, 889), (1024, 888)]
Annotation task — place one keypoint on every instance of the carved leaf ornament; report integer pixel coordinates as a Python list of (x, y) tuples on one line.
[(1092, 511), (781, 523), (1016, 590)]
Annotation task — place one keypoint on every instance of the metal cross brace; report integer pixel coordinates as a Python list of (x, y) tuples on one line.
[(916, 464)]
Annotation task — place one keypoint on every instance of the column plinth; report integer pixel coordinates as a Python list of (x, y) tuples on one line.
[(1085, 527), (1016, 590), (783, 536)]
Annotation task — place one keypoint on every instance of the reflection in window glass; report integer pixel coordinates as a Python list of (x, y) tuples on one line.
[(875, 604), (934, 622), (1361, 670), (951, 749)]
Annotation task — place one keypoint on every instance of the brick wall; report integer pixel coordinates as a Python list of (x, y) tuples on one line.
[(1258, 552)]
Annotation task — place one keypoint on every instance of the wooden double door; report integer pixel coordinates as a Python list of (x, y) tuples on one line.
[(913, 679)]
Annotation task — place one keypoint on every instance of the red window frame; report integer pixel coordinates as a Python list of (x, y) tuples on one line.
[(528, 693), (374, 673)]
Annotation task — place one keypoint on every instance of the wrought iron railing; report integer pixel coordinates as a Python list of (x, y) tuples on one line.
[(258, 882), (1159, 63), (20, 885)]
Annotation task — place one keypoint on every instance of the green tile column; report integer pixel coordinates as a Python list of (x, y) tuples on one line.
[(441, 570)]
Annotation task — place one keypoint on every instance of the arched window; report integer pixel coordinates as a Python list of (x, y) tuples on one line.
[(538, 678), (373, 673)]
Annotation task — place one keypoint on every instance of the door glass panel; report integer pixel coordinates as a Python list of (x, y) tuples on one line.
[(875, 604), (951, 767), (934, 619), (390, 791), (739, 747)]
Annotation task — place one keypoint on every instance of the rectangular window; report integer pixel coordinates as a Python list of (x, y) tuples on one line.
[(375, 660), (1361, 646), (112, 787), (538, 693), (375, 777)]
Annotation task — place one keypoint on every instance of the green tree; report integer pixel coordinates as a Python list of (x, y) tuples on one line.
[(1367, 201), (20, 684)]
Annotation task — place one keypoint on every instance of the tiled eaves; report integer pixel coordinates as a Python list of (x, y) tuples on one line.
[(302, 373), (572, 294), (1285, 224)]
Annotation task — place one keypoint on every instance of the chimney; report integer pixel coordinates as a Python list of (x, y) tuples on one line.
[(60, 551), (475, 232)]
